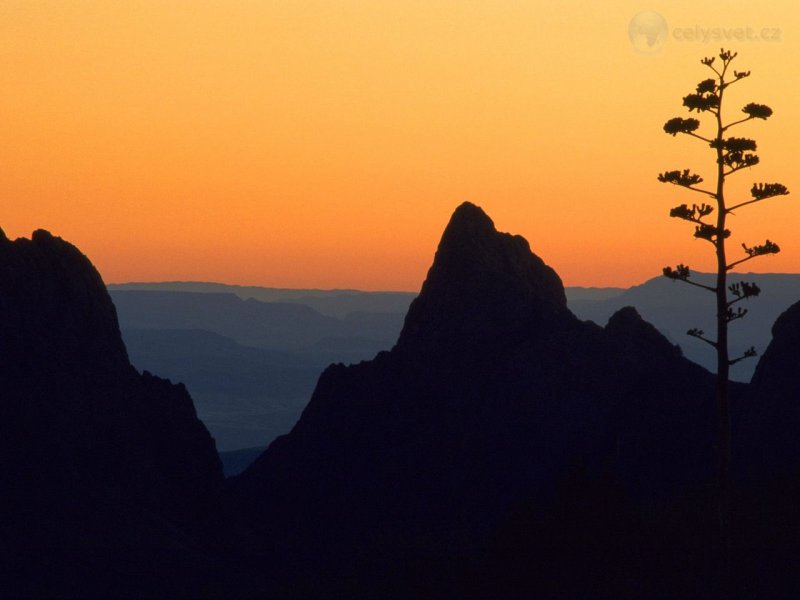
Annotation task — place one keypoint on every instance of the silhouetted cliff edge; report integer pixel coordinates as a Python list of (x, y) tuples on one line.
[(104, 472)]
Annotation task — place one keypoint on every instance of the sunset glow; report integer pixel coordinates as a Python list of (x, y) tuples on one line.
[(324, 143)]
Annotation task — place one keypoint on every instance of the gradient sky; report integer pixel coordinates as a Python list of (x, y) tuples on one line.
[(324, 143)]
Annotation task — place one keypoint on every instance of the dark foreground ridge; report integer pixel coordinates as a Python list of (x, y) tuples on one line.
[(502, 448)]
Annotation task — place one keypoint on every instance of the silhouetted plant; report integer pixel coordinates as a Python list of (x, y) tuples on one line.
[(732, 154)]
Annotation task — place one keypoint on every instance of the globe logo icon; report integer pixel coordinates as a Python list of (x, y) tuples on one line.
[(647, 32)]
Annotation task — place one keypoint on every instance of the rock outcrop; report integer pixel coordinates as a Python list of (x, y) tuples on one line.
[(99, 465), (484, 287), (492, 394), (777, 370)]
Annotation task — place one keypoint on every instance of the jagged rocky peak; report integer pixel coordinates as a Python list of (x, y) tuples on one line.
[(627, 326), (493, 396), (640, 345), (483, 285), (54, 307), (76, 413)]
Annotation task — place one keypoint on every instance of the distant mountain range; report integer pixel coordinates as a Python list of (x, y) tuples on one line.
[(674, 307), (334, 303), (251, 356), (250, 365)]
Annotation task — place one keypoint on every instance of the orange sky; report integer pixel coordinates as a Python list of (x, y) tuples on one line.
[(324, 143)]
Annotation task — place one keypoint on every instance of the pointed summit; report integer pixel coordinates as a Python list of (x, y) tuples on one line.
[(469, 217), (493, 395), (484, 287)]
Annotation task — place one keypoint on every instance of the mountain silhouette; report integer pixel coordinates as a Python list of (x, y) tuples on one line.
[(674, 308), (104, 470), (482, 288), (776, 373), (492, 393), (773, 412), (502, 448)]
